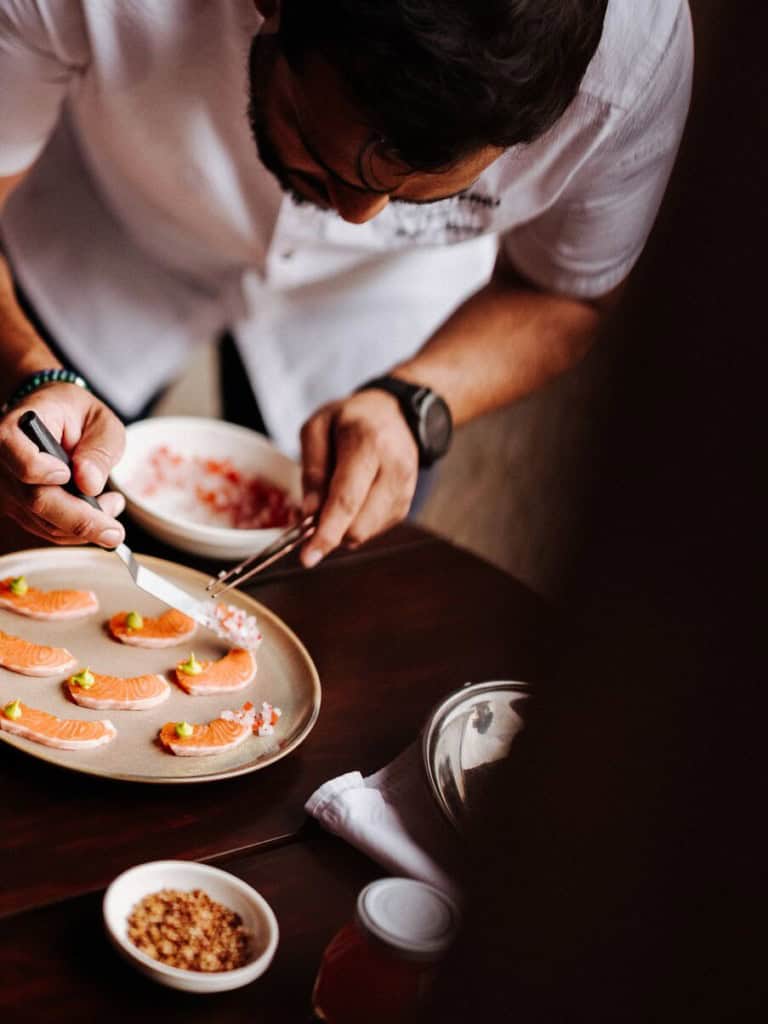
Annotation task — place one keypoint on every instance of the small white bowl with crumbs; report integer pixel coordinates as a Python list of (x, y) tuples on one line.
[(190, 926)]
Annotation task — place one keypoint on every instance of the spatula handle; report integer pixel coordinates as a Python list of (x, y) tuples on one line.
[(39, 434)]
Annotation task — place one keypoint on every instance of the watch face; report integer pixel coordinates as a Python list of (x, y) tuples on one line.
[(436, 426)]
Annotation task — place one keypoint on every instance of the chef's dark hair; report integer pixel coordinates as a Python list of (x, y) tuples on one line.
[(439, 79)]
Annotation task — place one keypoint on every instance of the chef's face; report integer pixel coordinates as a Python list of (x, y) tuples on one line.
[(318, 145)]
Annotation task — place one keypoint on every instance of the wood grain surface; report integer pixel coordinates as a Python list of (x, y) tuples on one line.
[(391, 631)]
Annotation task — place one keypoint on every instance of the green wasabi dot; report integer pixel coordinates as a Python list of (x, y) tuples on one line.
[(191, 666), (84, 679), (13, 710), (183, 729), (19, 586), (134, 621)]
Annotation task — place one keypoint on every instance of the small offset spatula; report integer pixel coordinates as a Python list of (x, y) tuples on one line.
[(159, 587)]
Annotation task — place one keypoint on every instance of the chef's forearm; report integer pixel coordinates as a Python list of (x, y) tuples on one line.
[(22, 351), (504, 342)]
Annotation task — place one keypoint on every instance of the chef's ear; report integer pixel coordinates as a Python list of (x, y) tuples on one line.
[(270, 12)]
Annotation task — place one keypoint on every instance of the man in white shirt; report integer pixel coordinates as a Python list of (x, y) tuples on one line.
[(440, 195)]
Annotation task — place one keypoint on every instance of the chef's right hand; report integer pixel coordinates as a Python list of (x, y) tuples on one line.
[(30, 481)]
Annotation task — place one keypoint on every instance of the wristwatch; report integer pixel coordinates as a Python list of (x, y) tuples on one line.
[(425, 412)]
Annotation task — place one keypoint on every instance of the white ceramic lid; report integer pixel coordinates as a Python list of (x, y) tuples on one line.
[(414, 919)]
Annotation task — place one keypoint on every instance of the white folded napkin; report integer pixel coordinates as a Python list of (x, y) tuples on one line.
[(392, 817)]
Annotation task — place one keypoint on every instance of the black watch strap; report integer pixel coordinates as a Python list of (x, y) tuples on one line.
[(401, 389), (414, 401)]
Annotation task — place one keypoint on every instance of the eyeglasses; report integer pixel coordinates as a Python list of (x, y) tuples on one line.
[(379, 172)]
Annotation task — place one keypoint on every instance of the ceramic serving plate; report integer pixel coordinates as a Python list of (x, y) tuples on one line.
[(286, 676)]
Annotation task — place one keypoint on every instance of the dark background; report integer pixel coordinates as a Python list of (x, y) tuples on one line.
[(622, 874)]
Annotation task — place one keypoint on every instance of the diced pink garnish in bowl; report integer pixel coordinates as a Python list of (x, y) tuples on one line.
[(212, 492)]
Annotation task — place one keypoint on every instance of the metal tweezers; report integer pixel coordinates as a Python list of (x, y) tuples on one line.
[(282, 545)]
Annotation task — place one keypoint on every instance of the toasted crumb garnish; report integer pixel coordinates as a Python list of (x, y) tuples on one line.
[(189, 930)]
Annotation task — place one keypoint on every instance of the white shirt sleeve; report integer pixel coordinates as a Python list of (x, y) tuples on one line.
[(587, 242), (43, 50)]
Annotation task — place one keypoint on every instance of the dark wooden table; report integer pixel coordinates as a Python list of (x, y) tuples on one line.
[(401, 622)]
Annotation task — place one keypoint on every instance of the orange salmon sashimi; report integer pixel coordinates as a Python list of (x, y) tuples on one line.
[(114, 692), (212, 738), (48, 604), (167, 630), (232, 672), (30, 659), (63, 733)]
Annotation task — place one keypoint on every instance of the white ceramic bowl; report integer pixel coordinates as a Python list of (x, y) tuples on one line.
[(136, 883), (208, 438)]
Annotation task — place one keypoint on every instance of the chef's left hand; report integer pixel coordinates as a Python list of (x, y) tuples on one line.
[(360, 465)]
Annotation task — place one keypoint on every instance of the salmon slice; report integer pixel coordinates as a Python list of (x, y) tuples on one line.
[(212, 738), (232, 672), (167, 630), (135, 694), (48, 604), (63, 733), (30, 659)]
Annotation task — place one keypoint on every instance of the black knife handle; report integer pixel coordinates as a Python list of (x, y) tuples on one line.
[(39, 434)]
